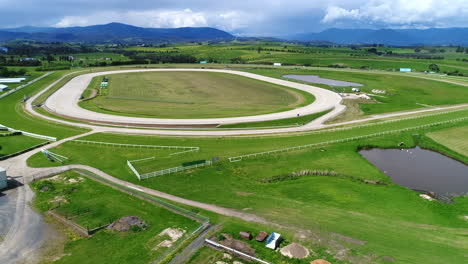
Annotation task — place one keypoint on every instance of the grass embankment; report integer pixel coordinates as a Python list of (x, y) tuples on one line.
[(453, 138), (192, 95), (380, 215), (402, 93), (78, 193), (294, 121), (14, 115), (13, 144)]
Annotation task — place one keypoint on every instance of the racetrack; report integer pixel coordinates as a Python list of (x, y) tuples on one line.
[(64, 103)]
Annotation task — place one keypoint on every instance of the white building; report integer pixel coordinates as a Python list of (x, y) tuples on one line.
[(11, 80), (3, 88), (3, 179), (276, 64)]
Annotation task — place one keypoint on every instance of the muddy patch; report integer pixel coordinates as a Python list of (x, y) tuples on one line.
[(319, 80), (295, 250), (126, 223), (172, 235)]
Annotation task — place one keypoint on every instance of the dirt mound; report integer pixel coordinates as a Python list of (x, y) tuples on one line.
[(126, 223), (237, 245), (295, 250)]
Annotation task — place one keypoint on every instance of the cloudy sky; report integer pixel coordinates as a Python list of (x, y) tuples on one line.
[(241, 17)]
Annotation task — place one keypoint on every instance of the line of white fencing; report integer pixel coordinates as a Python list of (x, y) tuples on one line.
[(24, 85), (239, 158), (235, 251), (188, 149), (29, 134), (129, 164), (168, 171), (382, 122)]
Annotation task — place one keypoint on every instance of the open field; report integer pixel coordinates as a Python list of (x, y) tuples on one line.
[(79, 193), (14, 116), (453, 138), (192, 95), (402, 93), (12, 144), (295, 121), (322, 204)]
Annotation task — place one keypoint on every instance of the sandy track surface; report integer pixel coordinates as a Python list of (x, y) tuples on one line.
[(65, 101)]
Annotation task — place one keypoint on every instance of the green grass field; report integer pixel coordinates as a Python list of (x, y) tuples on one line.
[(322, 204), (12, 144), (294, 121), (402, 93), (106, 203), (453, 138), (193, 95)]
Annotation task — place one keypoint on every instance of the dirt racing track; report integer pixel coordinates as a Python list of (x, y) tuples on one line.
[(64, 103)]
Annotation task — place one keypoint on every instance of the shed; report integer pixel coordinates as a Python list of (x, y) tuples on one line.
[(276, 64), (3, 88), (356, 90), (274, 240), (203, 62), (11, 80), (261, 236), (3, 179), (405, 70), (245, 235)]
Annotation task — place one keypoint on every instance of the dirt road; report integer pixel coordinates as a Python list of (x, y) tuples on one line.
[(24, 228)]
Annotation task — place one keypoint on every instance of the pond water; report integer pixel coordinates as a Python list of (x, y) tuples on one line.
[(421, 169), (319, 80)]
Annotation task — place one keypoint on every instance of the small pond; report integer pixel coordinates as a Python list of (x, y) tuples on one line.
[(319, 80), (421, 169)]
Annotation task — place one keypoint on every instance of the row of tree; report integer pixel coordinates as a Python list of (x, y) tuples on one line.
[(5, 72)]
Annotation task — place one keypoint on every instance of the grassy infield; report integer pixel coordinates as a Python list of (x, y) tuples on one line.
[(391, 219), (192, 95)]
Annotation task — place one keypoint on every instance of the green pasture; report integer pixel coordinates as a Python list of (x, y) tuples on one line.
[(453, 138), (341, 204), (13, 144), (402, 93), (192, 95), (104, 204), (14, 115), (294, 121)]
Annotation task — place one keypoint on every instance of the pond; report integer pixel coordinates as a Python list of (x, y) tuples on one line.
[(319, 80), (421, 169)]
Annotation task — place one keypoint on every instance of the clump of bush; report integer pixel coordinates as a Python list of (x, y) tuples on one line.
[(297, 175)]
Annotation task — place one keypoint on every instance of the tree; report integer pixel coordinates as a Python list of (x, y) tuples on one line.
[(259, 49), (434, 67), (417, 50)]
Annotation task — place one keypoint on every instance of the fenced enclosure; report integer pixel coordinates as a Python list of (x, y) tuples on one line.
[(184, 149), (166, 171), (344, 140)]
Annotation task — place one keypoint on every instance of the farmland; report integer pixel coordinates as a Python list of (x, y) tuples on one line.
[(343, 209), (107, 204), (192, 95)]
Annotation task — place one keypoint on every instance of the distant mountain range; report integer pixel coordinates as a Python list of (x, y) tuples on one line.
[(114, 32), (396, 37)]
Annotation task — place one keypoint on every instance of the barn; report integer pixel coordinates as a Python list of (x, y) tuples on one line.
[(3, 88)]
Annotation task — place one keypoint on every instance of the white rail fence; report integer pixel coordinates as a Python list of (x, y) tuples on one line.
[(170, 170), (253, 155), (29, 134), (185, 148), (383, 122), (24, 85), (211, 242)]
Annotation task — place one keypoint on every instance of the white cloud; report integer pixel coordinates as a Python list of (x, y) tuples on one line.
[(335, 13), (148, 18), (403, 12)]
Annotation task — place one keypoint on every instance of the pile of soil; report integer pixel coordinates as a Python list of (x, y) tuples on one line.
[(238, 245), (295, 250), (125, 223)]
